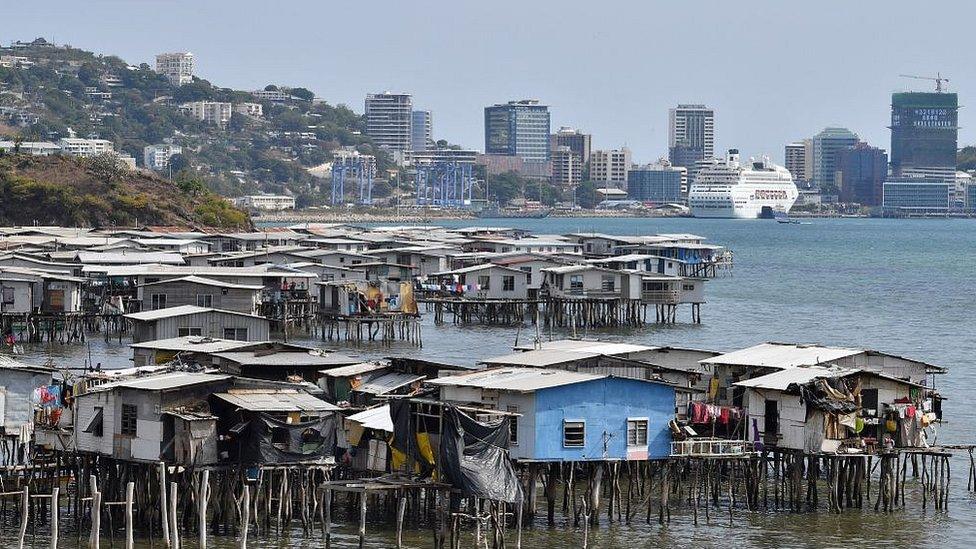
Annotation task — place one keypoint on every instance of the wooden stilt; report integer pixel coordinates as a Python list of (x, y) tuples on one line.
[(24, 508), (246, 519), (163, 507), (54, 517), (129, 489), (174, 530)]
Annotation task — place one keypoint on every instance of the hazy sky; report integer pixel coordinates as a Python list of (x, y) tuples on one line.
[(775, 71)]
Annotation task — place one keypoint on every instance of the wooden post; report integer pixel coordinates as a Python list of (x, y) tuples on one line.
[(24, 508), (129, 488), (203, 494), (54, 516), (327, 503), (362, 518), (247, 515), (96, 514), (174, 531), (163, 507), (401, 508), (518, 530)]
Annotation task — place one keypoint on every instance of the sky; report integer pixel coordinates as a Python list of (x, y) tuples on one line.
[(774, 71)]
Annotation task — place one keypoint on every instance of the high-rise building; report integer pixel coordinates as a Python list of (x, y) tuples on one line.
[(518, 128), (908, 196), (799, 161), (421, 131), (691, 135), (176, 67), (924, 133), (389, 120), (579, 143), (860, 174), (610, 166), (567, 170), (826, 145), (659, 183)]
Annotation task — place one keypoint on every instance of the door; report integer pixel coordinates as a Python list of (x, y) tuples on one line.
[(771, 423), (55, 300)]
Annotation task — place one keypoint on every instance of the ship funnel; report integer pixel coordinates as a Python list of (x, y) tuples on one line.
[(732, 158)]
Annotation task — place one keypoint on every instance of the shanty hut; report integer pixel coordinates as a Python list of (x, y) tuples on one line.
[(131, 419), (571, 416), (201, 292), (831, 409), (486, 281), (19, 382), (275, 426), (190, 320)]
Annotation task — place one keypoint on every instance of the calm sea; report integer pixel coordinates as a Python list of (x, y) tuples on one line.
[(901, 286)]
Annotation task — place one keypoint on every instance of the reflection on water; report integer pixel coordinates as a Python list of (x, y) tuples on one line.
[(904, 287)]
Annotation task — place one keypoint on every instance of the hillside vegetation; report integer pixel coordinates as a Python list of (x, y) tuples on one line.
[(65, 87), (96, 192)]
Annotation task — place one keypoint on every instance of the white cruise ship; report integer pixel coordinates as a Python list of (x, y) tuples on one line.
[(728, 189)]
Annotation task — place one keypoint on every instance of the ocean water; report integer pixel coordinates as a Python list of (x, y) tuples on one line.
[(906, 287)]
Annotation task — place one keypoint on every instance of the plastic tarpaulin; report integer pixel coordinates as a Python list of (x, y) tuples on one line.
[(405, 436), (271, 441), (474, 458)]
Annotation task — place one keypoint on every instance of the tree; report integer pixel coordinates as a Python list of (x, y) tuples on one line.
[(178, 163), (302, 93)]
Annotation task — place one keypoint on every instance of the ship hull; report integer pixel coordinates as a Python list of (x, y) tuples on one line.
[(743, 201)]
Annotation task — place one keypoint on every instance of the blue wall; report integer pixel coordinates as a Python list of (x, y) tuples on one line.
[(605, 404)]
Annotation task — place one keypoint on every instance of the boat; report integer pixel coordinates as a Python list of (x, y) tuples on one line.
[(728, 189)]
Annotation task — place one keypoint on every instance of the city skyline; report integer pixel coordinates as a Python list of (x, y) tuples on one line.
[(456, 70)]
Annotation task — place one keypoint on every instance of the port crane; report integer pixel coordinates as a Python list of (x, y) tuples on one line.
[(937, 79)]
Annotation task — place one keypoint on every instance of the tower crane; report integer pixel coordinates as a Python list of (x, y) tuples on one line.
[(937, 79)]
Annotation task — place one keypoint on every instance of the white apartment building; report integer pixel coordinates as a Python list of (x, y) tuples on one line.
[(211, 112), (249, 109), (389, 120), (176, 67), (156, 157), (691, 134), (277, 96), (610, 166), (76, 146), (269, 202), (567, 170)]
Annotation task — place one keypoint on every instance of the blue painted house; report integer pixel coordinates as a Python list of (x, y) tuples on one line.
[(571, 416)]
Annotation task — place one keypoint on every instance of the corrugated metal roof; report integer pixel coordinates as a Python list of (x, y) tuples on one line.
[(387, 382), (285, 358), (522, 380), (164, 382), (129, 258), (193, 343), (782, 355), (193, 279), (10, 364), (784, 378), (602, 347), (182, 310), (275, 400), (374, 418), (541, 358), (355, 369)]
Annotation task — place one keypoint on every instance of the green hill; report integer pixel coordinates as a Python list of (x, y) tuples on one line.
[(62, 87), (96, 192)]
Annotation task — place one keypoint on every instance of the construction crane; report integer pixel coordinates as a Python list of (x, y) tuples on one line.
[(937, 79)]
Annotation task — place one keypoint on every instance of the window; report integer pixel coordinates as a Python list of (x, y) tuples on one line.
[(189, 331), (528, 274), (512, 425), (688, 287), (8, 296), (608, 283), (237, 334), (637, 432), (95, 426), (576, 282), (574, 434), (204, 300), (484, 282), (508, 283), (128, 422), (157, 301)]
